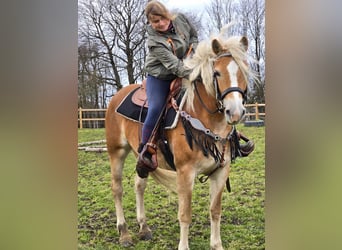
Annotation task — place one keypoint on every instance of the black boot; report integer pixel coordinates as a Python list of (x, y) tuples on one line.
[(245, 148), (140, 148), (144, 162)]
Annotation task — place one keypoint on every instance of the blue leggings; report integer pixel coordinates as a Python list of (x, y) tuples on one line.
[(157, 91)]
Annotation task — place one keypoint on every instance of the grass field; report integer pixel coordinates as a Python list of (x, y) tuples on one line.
[(242, 226)]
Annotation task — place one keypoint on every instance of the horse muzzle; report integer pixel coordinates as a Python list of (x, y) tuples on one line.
[(234, 113)]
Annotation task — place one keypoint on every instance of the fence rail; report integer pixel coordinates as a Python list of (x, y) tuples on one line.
[(256, 114), (94, 118)]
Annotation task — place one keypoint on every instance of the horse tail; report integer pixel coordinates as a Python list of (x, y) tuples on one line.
[(167, 178)]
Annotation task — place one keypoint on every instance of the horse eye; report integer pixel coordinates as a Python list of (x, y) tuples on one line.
[(216, 74)]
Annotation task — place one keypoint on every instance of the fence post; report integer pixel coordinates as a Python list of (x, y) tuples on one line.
[(256, 112), (80, 117)]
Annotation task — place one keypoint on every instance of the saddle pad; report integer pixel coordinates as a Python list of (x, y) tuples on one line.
[(137, 113)]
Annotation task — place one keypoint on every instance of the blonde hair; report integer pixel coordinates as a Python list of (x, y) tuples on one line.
[(158, 9)]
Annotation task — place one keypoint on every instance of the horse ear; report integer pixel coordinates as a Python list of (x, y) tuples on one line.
[(216, 46), (244, 42)]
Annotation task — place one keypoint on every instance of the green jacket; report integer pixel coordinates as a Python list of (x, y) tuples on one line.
[(161, 62)]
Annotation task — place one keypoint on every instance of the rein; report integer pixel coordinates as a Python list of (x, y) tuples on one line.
[(219, 108)]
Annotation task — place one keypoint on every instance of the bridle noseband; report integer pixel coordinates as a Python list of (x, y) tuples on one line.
[(219, 95)]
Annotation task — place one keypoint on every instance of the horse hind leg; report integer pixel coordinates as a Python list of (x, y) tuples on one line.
[(145, 232), (117, 159)]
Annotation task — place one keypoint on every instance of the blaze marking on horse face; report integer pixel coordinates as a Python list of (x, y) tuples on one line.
[(233, 69), (233, 106)]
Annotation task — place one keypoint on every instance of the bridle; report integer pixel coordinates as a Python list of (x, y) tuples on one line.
[(218, 94)]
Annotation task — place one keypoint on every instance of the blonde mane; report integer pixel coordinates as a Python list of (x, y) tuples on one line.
[(202, 62)]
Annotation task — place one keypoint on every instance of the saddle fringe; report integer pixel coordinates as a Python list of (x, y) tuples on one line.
[(206, 143)]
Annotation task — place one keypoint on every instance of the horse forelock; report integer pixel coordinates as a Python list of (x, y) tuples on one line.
[(202, 62), (240, 55)]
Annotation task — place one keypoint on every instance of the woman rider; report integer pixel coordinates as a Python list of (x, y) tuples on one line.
[(170, 37)]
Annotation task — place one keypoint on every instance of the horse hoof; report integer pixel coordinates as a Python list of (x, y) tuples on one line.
[(147, 235), (126, 241)]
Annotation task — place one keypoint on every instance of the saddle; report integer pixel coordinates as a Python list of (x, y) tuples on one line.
[(139, 97)]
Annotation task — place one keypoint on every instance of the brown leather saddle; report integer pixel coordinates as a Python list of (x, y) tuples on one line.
[(139, 97)]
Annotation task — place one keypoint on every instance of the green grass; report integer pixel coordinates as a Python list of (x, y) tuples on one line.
[(242, 226)]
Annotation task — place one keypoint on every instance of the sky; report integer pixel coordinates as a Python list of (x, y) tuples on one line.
[(186, 4)]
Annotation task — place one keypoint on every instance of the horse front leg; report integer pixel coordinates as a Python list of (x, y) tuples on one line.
[(144, 230), (217, 185), (185, 183)]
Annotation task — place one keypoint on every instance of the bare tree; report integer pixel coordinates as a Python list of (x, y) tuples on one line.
[(220, 12), (127, 23), (118, 26), (253, 19), (89, 82), (249, 19)]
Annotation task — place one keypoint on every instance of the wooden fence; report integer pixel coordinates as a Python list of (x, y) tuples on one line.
[(91, 118), (255, 111), (94, 118)]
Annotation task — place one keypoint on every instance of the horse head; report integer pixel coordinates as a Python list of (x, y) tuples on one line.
[(230, 80)]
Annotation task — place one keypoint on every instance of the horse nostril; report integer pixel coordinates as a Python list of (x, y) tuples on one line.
[(243, 112), (228, 112)]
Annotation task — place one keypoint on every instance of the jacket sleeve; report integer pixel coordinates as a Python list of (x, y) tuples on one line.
[(193, 36), (169, 60), (193, 33)]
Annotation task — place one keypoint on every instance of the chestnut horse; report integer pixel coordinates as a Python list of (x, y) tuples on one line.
[(214, 97)]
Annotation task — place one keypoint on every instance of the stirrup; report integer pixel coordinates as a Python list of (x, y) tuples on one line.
[(245, 148)]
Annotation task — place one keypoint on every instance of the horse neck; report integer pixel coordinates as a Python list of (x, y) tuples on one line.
[(215, 122)]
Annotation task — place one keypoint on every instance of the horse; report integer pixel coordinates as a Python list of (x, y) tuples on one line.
[(214, 100)]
